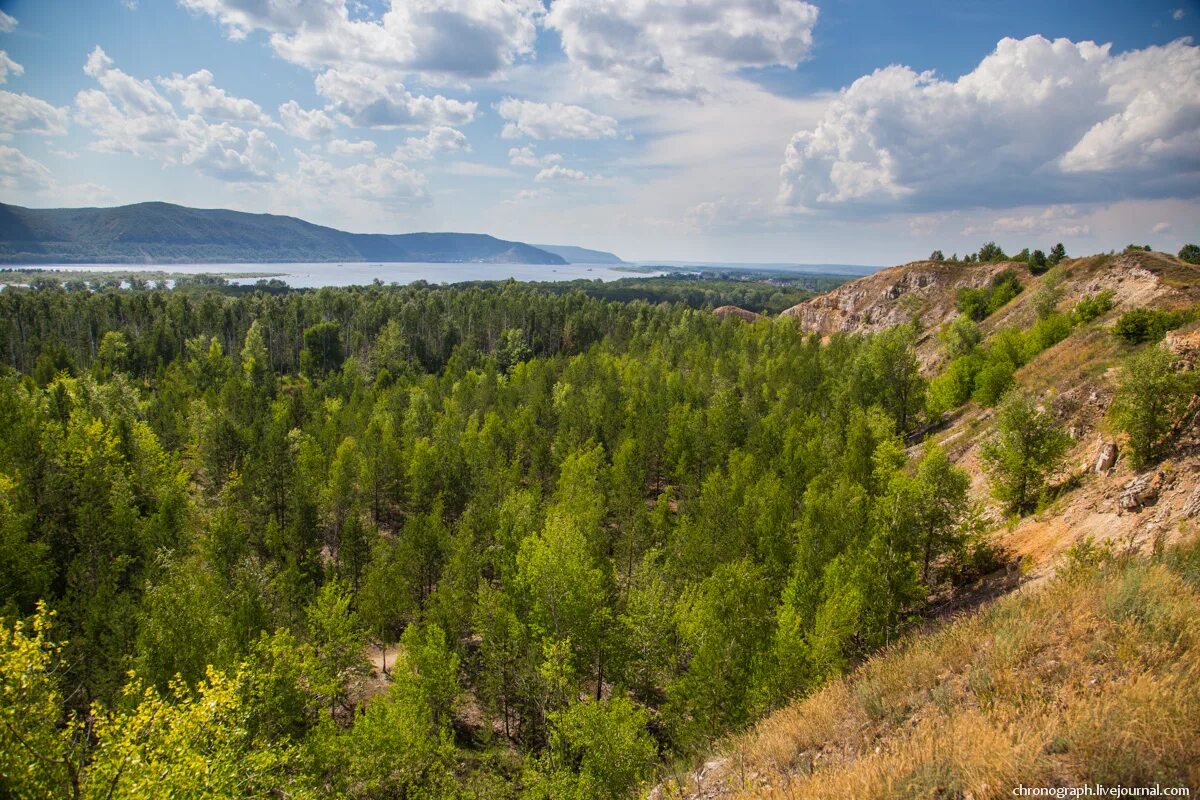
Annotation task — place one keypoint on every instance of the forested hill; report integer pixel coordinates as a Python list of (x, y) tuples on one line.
[(581, 255), (166, 233)]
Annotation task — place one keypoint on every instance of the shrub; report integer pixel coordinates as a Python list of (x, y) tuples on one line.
[(992, 382), (1038, 263), (973, 303), (1190, 253), (1026, 448), (979, 303), (961, 337), (1092, 306), (1146, 324), (1151, 394), (1005, 287), (1045, 333), (954, 386)]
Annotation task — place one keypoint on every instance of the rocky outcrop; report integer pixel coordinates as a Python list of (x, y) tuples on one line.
[(1106, 458), (1140, 491), (923, 290), (724, 312)]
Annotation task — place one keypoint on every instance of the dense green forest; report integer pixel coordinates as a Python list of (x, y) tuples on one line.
[(601, 534)]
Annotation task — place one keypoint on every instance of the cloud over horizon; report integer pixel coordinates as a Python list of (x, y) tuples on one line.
[(1058, 120)]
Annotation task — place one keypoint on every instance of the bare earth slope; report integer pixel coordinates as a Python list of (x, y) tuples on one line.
[(925, 291)]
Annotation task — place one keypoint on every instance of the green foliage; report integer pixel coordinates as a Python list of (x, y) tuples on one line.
[(724, 623), (1091, 307), (322, 351), (978, 304), (187, 742), (1023, 453), (1057, 254), (1038, 263), (990, 252), (1046, 300), (1151, 396), (1190, 253), (1140, 325), (937, 255), (961, 337), (541, 495), (598, 749)]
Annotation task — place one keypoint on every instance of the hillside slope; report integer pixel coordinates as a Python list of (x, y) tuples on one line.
[(1064, 682), (926, 292), (1092, 679), (166, 233)]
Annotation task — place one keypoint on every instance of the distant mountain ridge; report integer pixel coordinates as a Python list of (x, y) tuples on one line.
[(163, 233), (581, 255)]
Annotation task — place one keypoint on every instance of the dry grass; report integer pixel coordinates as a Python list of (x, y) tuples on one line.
[(1094, 677)]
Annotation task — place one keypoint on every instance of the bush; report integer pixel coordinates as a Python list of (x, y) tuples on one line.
[(973, 303), (1026, 448), (1038, 262), (980, 303), (954, 386), (1092, 306), (1190, 253), (1044, 334), (1150, 396), (961, 337), (992, 382), (1146, 324)]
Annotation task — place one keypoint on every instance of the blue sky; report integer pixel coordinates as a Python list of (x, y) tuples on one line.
[(744, 130)]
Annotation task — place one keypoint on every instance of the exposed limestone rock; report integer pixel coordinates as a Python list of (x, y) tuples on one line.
[(733, 311), (1106, 458), (1140, 491), (1192, 507)]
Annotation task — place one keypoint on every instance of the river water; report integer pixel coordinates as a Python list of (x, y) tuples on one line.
[(304, 276)]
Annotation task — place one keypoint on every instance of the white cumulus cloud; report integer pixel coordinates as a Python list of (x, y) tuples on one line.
[(305, 123), (370, 98), (552, 121), (440, 139), (128, 115), (198, 94), (458, 38), (345, 147), (557, 172), (383, 180), (677, 47), (7, 66), (20, 172), (22, 113), (1059, 121), (7, 23), (526, 157)]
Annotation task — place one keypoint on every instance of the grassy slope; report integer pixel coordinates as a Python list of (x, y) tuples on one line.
[(1092, 678)]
